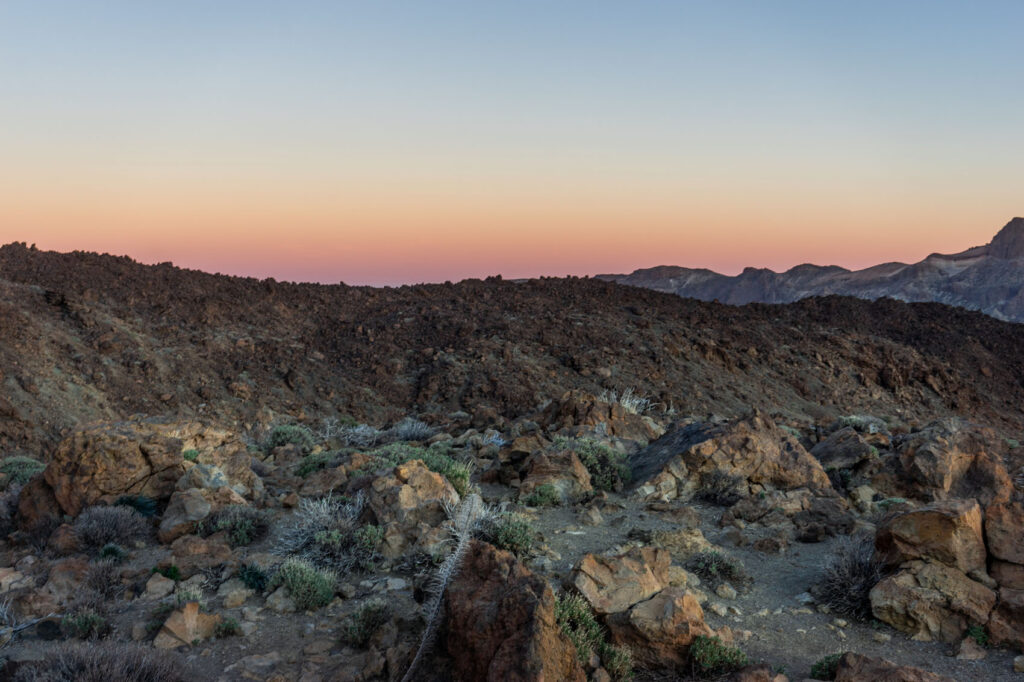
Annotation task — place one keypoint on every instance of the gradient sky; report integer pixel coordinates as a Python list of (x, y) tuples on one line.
[(396, 142)]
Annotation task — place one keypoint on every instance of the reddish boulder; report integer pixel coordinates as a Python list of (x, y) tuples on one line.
[(948, 532), (659, 631), (501, 623), (562, 470), (614, 583)]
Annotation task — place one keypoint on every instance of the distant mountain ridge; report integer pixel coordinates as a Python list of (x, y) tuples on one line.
[(987, 278)]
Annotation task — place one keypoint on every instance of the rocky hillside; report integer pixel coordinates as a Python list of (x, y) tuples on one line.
[(85, 337), (214, 478), (988, 278)]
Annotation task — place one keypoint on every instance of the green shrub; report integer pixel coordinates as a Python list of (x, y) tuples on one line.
[(309, 587), (545, 495), (191, 455), (171, 572), (85, 624), (243, 524), (253, 577), (229, 627), (716, 567), (437, 458), (312, 463), (20, 469), (608, 468), (512, 532), (361, 624), (826, 668), (113, 551), (186, 594), (291, 434), (617, 660), (978, 634), (576, 619), (145, 506), (710, 656)]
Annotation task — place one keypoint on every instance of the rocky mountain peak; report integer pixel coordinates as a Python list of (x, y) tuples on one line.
[(1009, 243)]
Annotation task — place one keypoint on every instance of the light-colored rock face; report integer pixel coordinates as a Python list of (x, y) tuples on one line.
[(186, 626), (614, 584), (1004, 530), (562, 470), (408, 503), (578, 412), (1006, 626), (856, 668), (97, 464), (184, 512), (501, 623), (659, 631), (948, 532), (753, 449), (931, 601)]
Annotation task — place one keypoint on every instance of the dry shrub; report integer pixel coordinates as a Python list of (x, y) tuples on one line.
[(848, 578), (98, 526), (103, 662)]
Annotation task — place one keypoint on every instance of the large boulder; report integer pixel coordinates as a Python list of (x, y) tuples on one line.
[(856, 668), (562, 470), (579, 413), (950, 459), (615, 583), (501, 623), (97, 464), (1006, 626), (186, 626), (843, 449), (948, 532), (1004, 531), (753, 449), (931, 601), (659, 631), (409, 503)]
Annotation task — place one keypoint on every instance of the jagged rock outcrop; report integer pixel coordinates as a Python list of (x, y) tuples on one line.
[(501, 623), (615, 583), (409, 504), (660, 630), (857, 668)]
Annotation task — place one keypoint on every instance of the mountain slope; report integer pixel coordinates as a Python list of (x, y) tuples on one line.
[(988, 278)]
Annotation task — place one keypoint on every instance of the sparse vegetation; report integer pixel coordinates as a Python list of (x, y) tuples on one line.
[(576, 619), (186, 594), (608, 468), (20, 470), (113, 551), (243, 524), (826, 668), (326, 533), (978, 634), (617, 660), (104, 579), (437, 458), (631, 401), (710, 656), (191, 455), (253, 577), (717, 567), (309, 587), (85, 623), (409, 429), (171, 572), (848, 578), (545, 495), (310, 464), (720, 488), (99, 526), (290, 434), (361, 625), (102, 662), (229, 627), (512, 532)]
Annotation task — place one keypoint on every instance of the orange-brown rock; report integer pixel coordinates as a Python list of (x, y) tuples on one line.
[(856, 668), (952, 459), (948, 532), (562, 470), (97, 464), (753, 448), (37, 504), (659, 631), (185, 627), (1004, 531), (1007, 574), (501, 623), (615, 583), (758, 672), (1006, 626), (193, 554), (575, 411), (65, 579), (931, 601), (409, 502)]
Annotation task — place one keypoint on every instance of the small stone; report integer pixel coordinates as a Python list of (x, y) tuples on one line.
[(726, 591), (592, 517), (348, 590), (824, 608), (251, 613), (1018, 664), (320, 646), (718, 609), (280, 602), (970, 650), (394, 584), (762, 613), (840, 634), (248, 628), (881, 637), (158, 587), (840, 623), (805, 598)]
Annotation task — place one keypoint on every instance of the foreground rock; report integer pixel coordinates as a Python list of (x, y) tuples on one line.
[(659, 631), (856, 668), (501, 623), (615, 583), (753, 449)]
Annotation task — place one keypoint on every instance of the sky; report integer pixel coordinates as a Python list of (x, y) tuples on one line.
[(398, 142)]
